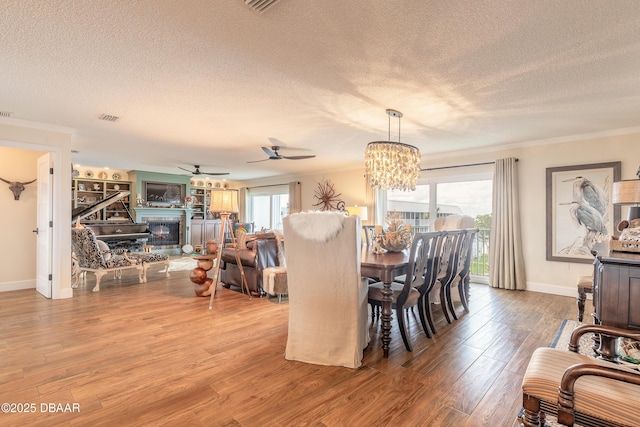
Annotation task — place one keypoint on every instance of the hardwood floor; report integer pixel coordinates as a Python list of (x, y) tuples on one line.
[(153, 354)]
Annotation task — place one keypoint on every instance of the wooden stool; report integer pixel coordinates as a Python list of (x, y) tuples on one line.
[(585, 285), (274, 281)]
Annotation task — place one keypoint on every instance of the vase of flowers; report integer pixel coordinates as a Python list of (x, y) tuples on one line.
[(397, 236), (188, 202)]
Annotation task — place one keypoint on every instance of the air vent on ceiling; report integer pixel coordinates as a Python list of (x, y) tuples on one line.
[(5, 114), (260, 5), (108, 117)]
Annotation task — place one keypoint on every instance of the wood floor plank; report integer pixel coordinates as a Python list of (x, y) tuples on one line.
[(154, 354)]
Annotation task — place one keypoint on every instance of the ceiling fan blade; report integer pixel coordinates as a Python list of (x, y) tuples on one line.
[(299, 157), (269, 152), (188, 170), (258, 161), (215, 173)]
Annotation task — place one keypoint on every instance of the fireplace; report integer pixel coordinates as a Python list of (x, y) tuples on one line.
[(169, 227), (165, 233)]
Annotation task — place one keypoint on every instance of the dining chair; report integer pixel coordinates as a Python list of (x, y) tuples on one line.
[(461, 276), (328, 316), (406, 294), (442, 271), (369, 234)]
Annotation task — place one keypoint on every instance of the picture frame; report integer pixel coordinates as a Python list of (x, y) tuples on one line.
[(579, 211)]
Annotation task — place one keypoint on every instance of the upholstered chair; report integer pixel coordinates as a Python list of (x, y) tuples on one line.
[(453, 222), (91, 257), (328, 321), (581, 389)]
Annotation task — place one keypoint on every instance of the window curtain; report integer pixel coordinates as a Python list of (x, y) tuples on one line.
[(370, 202), (242, 204), (506, 261), (295, 197)]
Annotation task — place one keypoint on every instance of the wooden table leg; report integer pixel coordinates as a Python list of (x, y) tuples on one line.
[(386, 317)]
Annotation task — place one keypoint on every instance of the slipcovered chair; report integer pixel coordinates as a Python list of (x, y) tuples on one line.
[(453, 222), (90, 257), (581, 389), (328, 321)]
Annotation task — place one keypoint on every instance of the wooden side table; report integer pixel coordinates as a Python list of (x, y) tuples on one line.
[(203, 284)]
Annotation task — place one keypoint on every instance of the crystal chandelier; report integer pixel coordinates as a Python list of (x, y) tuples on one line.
[(392, 165)]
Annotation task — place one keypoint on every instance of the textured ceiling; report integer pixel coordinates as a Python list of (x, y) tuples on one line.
[(210, 82)]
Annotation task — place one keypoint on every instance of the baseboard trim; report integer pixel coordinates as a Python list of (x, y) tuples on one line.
[(18, 285), (552, 289)]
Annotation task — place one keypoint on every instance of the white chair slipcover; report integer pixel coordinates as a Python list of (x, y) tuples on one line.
[(328, 316)]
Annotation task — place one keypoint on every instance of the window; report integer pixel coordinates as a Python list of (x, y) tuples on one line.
[(268, 206), (464, 195)]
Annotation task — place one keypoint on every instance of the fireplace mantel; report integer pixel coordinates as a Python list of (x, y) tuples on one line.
[(184, 214)]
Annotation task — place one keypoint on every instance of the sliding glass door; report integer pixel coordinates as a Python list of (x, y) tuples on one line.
[(268, 206), (462, 195)]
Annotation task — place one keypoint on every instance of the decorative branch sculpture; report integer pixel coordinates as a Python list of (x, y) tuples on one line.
[(17, 187), (327, 197)]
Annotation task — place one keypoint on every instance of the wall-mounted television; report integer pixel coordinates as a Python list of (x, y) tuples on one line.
[(164, 193)]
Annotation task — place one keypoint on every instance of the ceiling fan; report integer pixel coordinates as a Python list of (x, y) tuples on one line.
[(274, 155), (197, 171)]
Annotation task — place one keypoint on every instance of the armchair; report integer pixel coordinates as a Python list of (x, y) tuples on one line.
[(328, 315), (90, 257), (580, 388), (261, 251)]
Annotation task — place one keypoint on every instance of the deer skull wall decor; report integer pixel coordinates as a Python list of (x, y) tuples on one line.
[(16, 187)]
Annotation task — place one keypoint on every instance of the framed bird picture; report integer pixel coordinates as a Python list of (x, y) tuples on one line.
[(580, 212)]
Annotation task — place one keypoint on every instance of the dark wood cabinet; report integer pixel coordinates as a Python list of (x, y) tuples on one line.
[(616, 287), (616, 295)]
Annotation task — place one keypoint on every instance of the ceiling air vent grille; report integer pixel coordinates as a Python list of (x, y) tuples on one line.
[(5, 114), (260, 5), (108, 117)]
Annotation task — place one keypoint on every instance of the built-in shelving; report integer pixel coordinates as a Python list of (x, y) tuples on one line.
[(89, 191)]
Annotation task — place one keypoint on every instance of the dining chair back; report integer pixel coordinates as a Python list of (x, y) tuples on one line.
[(461, 278), (328, 316), (443, 270), (369, 234), (406, 294)]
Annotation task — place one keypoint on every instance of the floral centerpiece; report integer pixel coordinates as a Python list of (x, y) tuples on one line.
[(188, 201), (397, 236)]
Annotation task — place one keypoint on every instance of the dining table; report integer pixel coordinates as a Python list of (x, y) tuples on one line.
[(385, 266)]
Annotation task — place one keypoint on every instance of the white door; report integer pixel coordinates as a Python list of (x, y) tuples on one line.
[(44, 250)]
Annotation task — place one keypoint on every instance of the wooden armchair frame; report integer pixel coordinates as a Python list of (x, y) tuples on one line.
[(549, 378)]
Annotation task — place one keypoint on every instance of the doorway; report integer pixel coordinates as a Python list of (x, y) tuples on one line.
[(21, 273)]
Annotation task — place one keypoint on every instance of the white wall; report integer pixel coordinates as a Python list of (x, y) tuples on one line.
[(542, 275)]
